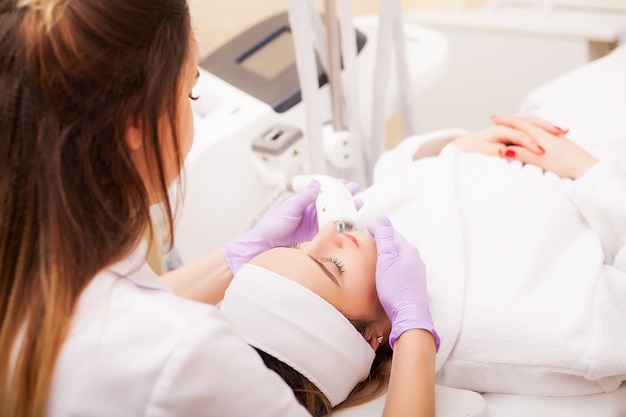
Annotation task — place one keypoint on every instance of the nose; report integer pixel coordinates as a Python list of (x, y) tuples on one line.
[(328, 236)]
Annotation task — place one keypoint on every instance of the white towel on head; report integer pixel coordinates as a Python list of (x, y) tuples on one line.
[(299, 328)]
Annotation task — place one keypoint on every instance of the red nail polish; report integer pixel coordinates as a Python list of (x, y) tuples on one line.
[(510, 153)]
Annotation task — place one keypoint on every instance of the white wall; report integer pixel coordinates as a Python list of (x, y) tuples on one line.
[(497, 57), (488, 75), (216, 21), (488, 71)]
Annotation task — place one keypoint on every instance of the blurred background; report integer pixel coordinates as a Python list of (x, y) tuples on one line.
[(218, 20), (498, 51), (484, 57)]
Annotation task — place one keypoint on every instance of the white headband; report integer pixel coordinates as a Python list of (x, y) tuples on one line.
[(298, 327)]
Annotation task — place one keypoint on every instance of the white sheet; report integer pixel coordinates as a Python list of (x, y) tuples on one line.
[(449, 402), (612, 404)]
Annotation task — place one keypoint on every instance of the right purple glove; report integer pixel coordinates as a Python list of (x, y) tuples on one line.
[(401, 282), (294, 221)]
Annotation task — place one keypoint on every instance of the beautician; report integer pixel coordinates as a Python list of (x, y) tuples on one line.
[(95, 123)]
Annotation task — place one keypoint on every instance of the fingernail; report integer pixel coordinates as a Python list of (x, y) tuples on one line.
[(540, 148), (563, 131), (510, 153)]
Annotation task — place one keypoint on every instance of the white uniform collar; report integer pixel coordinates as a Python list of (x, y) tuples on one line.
[(135, 268)]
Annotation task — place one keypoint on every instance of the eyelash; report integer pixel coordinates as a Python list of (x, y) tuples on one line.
[(340, 266), (194, 98)]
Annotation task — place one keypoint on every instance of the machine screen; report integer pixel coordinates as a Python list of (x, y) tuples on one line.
[(272, 57)]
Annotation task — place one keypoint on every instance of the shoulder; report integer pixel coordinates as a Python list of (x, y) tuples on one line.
[(213, 372), (122, 336), (134, 345)]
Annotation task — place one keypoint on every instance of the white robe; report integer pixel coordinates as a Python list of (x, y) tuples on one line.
[(526, 271)]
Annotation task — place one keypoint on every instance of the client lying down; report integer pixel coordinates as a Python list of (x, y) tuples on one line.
[(525, 265)]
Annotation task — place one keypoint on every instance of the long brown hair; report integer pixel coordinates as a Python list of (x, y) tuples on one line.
[(316, 403), (73, 75)]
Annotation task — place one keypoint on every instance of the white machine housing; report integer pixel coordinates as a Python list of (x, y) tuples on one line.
[(225, 188)]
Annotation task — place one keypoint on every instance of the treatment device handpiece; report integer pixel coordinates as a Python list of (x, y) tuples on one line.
[(334, 201)]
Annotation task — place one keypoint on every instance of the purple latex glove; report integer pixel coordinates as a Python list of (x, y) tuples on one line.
[(294, 221), (401, 282)]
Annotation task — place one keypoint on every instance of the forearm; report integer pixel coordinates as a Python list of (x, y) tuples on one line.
[(204, 279), (412, 384)]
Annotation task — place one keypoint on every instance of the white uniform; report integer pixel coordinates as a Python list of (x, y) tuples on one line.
[(137, 349)]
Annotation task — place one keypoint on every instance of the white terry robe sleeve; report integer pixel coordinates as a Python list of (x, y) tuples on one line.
[(394, 161), (600, 195)]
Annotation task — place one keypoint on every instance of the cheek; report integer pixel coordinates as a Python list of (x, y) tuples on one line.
[(363, 292), (186, 127), (367, 276)]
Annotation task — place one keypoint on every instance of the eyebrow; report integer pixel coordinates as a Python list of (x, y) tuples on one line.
[(324, 270)]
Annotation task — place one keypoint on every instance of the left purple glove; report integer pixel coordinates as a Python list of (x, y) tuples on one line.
[(401, 283), (294, 221)]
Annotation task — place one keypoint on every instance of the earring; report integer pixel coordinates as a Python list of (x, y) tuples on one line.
[(379, 339)]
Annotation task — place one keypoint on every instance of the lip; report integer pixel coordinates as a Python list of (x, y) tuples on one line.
[(353, 239)]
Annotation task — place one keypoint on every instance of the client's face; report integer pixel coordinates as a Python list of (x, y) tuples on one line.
[(341, 269)]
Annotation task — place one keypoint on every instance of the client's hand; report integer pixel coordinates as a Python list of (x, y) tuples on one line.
[(561, 156), (401, 282), (494, 140), (294, 221)]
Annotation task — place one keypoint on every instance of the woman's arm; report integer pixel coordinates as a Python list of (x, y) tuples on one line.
[(402, 290), (207, 278), (204, 279), (412, 384)]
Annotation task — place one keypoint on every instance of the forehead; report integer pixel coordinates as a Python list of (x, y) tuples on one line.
[(297, 266)]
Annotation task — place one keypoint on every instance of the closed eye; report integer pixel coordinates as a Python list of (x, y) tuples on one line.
[(340, 266), (322, 267), (324, 270)]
